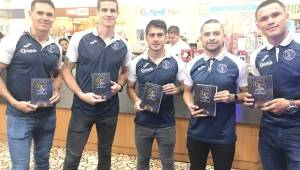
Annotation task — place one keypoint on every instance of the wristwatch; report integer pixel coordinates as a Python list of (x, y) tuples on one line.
[(292, 108), (236, 97), (121, 87)]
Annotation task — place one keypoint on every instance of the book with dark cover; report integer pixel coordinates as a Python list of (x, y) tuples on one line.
[(204, 98), (101, 85), (151, 98), (261, 89), (41, 92)]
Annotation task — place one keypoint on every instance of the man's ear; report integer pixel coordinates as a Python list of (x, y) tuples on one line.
[(29, 13)]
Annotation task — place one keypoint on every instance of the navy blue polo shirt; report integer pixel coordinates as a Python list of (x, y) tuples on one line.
[(283, 63), (228, 72), (143, 70), (94, 55), (26, 58)]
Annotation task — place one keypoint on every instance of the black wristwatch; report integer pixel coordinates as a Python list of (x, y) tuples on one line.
[(236, 98), (292, 108)]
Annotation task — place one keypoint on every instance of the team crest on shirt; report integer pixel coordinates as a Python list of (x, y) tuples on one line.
[(222, 68), (51, 48), (289, 54), (116, 45), (166, 64)]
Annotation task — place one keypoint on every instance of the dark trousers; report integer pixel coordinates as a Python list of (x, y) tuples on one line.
[(78, 133), (222, 154)]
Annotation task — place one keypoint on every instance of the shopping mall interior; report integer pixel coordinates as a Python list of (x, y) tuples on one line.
[(242, 37)]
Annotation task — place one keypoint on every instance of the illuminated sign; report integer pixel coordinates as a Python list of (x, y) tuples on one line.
[(77, 12), (12, 13), (7, 13), (228, 8)]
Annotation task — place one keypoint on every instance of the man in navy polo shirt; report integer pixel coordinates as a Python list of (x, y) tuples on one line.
[(279, 137), (99, 50), (219, 68), (155, 66), (28, 54)]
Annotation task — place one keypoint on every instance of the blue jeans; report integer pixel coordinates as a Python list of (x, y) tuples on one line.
[(78, 134), (279, 150), (21, 131), (166, 139)]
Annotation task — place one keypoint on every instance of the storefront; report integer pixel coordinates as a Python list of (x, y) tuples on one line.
[(242, 38), (10, 18)]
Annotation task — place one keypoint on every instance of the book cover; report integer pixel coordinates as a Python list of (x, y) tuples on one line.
[(204, 98), (261, 89), (41, 92), (101, 85), (151, 98)]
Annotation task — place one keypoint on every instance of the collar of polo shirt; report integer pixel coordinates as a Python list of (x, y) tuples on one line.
[(145, 55), (288, 39), (218, 57), (115, 37), (50, 39)]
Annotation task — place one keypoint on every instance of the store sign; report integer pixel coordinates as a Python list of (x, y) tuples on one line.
[(146, 12), (12, 13), (293, 9), (77, 12), (6, 13), (156, 12), (229, 8)]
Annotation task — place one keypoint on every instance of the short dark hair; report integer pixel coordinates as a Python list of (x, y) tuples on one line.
[(266, 3), (49, 2), (63, 39), (1, 35), (158, 24), (99, 4), (173, 30), (211, 21)]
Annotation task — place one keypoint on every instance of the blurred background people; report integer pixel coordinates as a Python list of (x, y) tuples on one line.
[(176, 44), (64, 43), (1, 36)]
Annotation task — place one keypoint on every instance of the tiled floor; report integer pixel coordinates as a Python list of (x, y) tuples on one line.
[(88, 161)]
